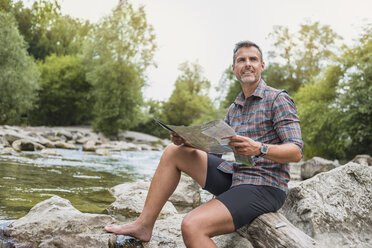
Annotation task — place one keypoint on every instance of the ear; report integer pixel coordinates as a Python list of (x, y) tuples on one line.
[(263, 66), (233, 68)]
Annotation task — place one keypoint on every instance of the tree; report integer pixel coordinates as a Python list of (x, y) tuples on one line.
[(152, 109), (116, 55), (336, 110), (189, 102), (299, 57), (355, 97), (229, 82), (64, 94), (319, 119), (18, 74), (46, 30)]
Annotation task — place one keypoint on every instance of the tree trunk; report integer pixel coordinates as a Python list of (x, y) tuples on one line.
[(274, 230)]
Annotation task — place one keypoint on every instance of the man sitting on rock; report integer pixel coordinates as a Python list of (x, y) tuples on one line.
[(268, 129)]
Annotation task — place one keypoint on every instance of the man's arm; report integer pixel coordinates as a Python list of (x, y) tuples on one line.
[(282, 153)]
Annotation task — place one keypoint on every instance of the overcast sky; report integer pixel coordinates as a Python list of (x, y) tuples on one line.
[(206, 30)]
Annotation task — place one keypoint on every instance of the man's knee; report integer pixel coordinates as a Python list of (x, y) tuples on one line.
[(190, 226), (176, 151)]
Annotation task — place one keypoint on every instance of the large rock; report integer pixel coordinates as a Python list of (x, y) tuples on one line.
[(49, 152), (56, 223), (362, 159), (167, 233), (103, 152), (90, 146), (3, 141), (130, 199), (11, 136), (187, 193), (315, 166), (65, 145), (295, 171), (26, 145), (232, 240), (137, 137), (334, 207), (64, 133), (7, 151)]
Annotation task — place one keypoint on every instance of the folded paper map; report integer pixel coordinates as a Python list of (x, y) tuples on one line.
[(208, 137)]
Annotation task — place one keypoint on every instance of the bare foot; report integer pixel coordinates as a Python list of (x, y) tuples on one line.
[(133, 229)]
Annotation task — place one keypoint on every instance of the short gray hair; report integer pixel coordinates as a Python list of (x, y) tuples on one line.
[(246, 43)]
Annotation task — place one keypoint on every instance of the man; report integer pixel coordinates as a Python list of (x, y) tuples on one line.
[(267, 125)]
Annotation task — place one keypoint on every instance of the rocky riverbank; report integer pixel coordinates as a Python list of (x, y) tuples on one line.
[(44, 139), (328, 201)]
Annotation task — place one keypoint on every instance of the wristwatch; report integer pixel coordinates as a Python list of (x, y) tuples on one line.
[(264, 150)]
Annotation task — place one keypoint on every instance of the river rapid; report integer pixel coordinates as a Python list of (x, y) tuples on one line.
[(81, 177)]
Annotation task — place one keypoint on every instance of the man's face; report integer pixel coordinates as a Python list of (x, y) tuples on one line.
[(248, 65)]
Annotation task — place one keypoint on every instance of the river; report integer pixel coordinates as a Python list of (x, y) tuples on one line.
[(83, 178)]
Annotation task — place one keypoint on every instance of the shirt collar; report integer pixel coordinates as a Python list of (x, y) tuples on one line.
[(259, 92)]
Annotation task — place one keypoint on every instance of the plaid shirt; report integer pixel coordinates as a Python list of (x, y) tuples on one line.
[(268, 116)]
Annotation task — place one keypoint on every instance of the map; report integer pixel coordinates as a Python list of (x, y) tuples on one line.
[(208, 137)]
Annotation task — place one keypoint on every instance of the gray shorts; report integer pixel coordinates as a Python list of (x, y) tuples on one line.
[(246, 201)]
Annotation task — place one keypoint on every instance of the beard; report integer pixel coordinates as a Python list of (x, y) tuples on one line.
[(249, 79)]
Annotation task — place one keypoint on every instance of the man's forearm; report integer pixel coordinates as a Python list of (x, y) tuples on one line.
[(284, 153)]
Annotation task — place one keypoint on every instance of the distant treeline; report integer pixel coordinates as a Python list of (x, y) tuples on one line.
[(60, 70)]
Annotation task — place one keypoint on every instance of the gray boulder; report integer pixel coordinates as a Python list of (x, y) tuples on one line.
[(315, 166), (90, 146), (64, 133), (7, 151), (232, 240), (167, 233), (49, 152), (4, 142), (295, 171), (26, 145), (56, 223), (334, 207), (130, 199), (187, 193), (363, 159), (64, 145), (103, 152), (12, 136)]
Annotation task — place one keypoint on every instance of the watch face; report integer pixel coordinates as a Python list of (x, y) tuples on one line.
[(264, 149)]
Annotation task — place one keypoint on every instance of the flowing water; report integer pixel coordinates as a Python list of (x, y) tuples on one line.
[(83, 178)]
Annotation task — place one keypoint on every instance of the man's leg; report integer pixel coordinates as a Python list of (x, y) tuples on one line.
[(174, 160), (206, 221)]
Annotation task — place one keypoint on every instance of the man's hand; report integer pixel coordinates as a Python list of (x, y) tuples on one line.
[(244, 145), (176, 139)]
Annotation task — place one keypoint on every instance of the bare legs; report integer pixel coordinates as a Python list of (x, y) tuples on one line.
[(194, 163)]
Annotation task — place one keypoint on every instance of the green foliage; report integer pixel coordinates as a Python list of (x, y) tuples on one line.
[(5, 5), (189, 101), (45, 29), (35, 25), (116, 55), (18, 74), (355, 99), (229, 81), (153, 109), (336, 110), (64, 94), (319, 120), (300, 56)]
